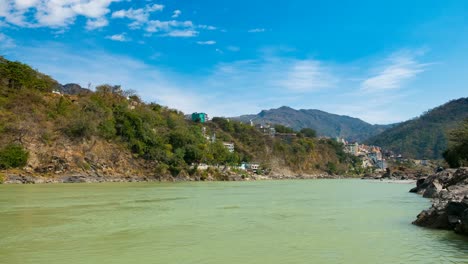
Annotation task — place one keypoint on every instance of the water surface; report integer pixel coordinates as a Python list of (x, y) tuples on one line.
[(305, 221)]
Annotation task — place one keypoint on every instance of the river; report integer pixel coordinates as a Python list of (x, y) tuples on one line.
[(303, 221)]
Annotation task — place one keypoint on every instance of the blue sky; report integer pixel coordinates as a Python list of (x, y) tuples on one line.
[(381, 61)]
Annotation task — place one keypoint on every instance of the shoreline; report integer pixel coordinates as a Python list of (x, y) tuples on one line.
[(14, 179), (10, 179)]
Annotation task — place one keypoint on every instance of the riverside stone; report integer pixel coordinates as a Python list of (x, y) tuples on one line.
[(449, 190)]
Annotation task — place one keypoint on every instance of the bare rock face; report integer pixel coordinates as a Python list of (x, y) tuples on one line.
[(449, 191)]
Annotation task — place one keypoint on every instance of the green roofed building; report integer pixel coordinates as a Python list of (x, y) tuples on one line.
[(199, 117)]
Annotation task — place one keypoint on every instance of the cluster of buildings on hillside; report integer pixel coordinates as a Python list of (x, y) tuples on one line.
[(371, 156)]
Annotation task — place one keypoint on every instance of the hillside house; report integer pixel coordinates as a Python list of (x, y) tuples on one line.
[(229, 146), (200, 117)]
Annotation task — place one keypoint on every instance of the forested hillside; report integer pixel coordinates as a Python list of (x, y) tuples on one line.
[(424, 137), (111, 131), (326, 124)]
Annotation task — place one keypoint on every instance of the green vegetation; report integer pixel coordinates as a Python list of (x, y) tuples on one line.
[(457, 153), (425, 137), (18, 75), (308, 132), (283, 129), (13, 156), (154, 136)]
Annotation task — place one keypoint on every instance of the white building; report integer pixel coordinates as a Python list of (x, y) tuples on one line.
[(229, 146)]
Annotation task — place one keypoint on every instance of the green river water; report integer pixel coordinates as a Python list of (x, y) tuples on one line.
[(304, 221)]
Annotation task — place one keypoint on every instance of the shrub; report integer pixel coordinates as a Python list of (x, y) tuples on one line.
[(13, 156)]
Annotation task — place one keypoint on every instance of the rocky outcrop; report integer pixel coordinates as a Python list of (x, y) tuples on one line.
[(74, 89), (449, 191)]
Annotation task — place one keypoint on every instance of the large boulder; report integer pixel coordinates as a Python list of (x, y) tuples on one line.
[(432, 191)]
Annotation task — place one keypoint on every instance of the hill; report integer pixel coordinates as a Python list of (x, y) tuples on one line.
[(326, 124), (424, 137), (112, 132)]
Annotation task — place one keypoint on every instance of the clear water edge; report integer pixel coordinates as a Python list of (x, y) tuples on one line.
[(302, 221)]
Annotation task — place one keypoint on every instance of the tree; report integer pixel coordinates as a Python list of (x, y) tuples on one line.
[(13, 156), (283, 129), (308, 132), (457, 153)]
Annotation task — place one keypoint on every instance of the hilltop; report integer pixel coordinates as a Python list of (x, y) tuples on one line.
[(424, 137), (50, 130), (326, 124)]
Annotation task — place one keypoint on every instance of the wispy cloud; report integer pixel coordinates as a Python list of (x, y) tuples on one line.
[(207, 27), (176, 13), (208, 42), (307, 75), (233, 48), (256, 30), (139, 16), (92, 24), (119, 37), (396, 70), (6, 42), (276, 74), (186, 33)]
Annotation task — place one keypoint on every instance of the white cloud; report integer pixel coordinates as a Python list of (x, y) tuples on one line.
[(256, 30), (172, 28), (208, 42), (398, 69), (188, 33), (139, 16), (92, 24), (118, 37), (54, 13), (165, 26), (207, 27), (177, 13)]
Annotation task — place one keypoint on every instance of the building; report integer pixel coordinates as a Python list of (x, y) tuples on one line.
[(199, 117), (352, 148), (250, 166), (229, 146)]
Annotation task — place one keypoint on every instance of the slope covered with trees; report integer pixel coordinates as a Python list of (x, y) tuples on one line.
[(326, 124), (425, 137), (113, 132)]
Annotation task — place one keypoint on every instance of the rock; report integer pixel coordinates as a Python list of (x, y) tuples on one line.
[(432, 191), (449, 190), (432, 218), (74, 179)]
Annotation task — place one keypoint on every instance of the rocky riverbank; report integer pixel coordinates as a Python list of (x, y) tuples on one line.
[(20, 178), (448, 190)]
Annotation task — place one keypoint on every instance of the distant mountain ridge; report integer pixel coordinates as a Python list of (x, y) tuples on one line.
[(326, 124), (424, 137)]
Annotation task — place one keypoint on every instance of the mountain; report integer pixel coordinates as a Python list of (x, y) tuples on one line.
[(326, 124), (424, 137)]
